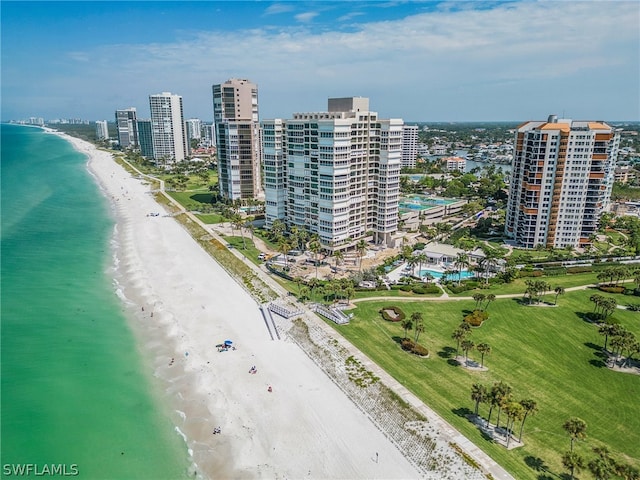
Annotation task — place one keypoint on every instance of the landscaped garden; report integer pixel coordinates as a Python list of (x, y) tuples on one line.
[(549, 354)]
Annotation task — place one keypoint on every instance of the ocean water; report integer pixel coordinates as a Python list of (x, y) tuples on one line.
[(74, 389)]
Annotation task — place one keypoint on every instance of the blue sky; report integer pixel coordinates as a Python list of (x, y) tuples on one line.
[(421, 61)]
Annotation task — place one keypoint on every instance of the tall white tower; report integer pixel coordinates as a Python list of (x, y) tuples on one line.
[(168, 127)]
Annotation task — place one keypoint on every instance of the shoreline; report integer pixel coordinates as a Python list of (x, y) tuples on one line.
[(195, 306)]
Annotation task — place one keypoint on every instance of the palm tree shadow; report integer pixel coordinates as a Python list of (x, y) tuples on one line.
[(397, 339), (535, 463), (463, 412), (521, 300), (587, 317), (447, 352)]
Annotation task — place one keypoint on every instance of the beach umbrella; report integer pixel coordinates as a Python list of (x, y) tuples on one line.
[(228, 342)]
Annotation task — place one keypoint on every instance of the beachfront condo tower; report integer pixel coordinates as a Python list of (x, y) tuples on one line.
[(561, 182), (145, 138), (409, 146), (102, 130), (127, 126), (168, 128), (235, 116), (335, 173)]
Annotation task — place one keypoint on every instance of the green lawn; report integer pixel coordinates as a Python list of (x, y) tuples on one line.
[(519, 285), (210, 218), (549, 354), (246, 247), (191, 198), (392, 293)]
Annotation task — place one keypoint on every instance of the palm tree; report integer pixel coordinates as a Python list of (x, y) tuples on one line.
[(338, 255), (412, 262), (304, 294), (575, 427), (572, 462), (461, 261), (479, 395), (407, 324), (416, 318), (458, 335), (514, 411), (503, 396), (421, 258), (609, 330), (284, 248), (490, 298), (483, 349), (530, 408), (314, 247), (479, 298), (361, 247), (559, 291), (466, 346)]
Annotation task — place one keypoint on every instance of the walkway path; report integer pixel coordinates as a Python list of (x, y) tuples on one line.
[(446, 297)]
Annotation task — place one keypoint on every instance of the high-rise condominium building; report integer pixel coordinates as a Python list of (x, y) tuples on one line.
[(235, 114), (145, 138), (194, 129), (127, 126), (334, 173), (168, 128), (561, 181), (102, 130), (409, 146)]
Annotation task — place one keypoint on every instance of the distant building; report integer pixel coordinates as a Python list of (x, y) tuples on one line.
[(102, 130), (439, 150), (561, 181), (334, 173), (145, 138), (235, 114), (453, 164), (168, 128), (127, 128), (624, 173), (194, 129), (409, 146)]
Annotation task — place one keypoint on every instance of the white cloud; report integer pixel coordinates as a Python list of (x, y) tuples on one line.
[(277, 8), (350, 16), (448, 64), (306, 16)]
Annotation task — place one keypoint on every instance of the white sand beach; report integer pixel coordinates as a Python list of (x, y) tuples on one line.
[(305, 428)]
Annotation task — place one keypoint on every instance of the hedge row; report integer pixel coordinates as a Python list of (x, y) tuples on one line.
[(410, 346), (476, 318), (399, 314)]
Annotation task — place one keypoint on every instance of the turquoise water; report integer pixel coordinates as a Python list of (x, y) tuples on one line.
[(453, 276), (418, 202), (73, 387)]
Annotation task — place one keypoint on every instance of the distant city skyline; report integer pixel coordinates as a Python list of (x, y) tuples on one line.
[(420, 61)]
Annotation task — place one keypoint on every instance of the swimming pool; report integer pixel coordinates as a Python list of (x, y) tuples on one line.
[(452, 276), (419, 202)]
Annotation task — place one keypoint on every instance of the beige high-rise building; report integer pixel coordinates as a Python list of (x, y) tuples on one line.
[(335, 173), (561, 180), (235, 115)]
